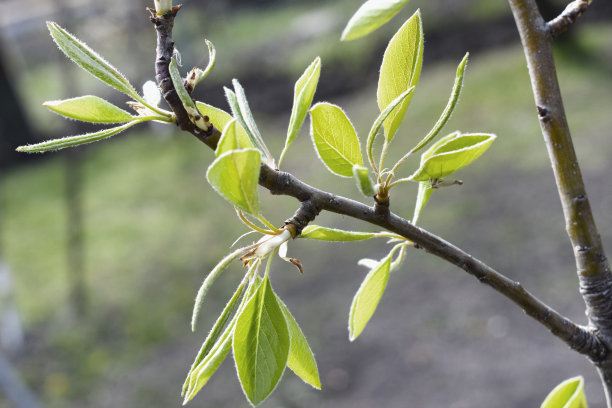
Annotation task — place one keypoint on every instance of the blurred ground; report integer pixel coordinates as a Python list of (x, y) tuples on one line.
[(153, 228)]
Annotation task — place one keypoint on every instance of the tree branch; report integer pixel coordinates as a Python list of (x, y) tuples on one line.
[(313, 200), (592, 266), (563, 21)]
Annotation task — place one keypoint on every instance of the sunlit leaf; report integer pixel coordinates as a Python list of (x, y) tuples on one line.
[(331, 234), (450, 154), (400, 70), (261, 344), (301, 359), (371, 15), (363, 181), (568, 394), (190, 107), (235, 175), (389, 110), (335, 139), (89, 108), (90, 61), (232, 100), (302, 99), (197, 378), (209, 280), (57, 144), (368, 296), (197, 75), (220, 119), (450, 106)]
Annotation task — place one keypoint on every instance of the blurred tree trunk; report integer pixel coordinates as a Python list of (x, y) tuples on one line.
[(78, 296), (14, 389), (14, 128)]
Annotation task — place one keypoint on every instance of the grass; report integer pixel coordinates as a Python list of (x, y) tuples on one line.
[(153, 226)]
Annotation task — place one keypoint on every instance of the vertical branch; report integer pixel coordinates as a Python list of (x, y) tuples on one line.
[(592, 266)]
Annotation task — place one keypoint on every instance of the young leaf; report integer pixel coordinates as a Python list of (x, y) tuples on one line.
[(90, 61), (450, 106), (450, 154), (188, 103), (232, 100), (335, 139), (379, 122), (197, 75), (220, 118), (235, 175), (368, 296), (241, 111), (57, 144), (331, 234), (568, 394), (302, 99), (214, 335), (301, 359), (364, 183), (425, 191), (89, 108), (228, 140), (209, 280), (371, 15), (261, 344), (200, 375), (400, 70)]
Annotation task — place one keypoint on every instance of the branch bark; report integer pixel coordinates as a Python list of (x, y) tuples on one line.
[(313, 201), (591, 262), (563, 21)]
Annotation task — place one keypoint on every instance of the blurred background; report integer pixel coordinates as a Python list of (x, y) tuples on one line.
[(102, 248)]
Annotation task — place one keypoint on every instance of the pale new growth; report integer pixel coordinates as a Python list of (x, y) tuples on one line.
[(162, 6)]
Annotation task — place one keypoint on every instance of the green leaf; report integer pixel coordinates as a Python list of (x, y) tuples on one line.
[(303, 94), (400, 70), (331, 234), (57, 144), (232, 100), (192, 111), (450, 106), (301, 359), (197, 75), (220, 118), (364, 183), (379, 122), (425, 191), (209, 280), (211, 342), (89, 108), (228, 140), (568, 394), (235, 176), (450, 154), (335, 139), (368, 296), (261, 344), (371, 15), (90, 61)]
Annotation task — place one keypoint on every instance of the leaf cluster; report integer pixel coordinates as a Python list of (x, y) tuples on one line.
[(255, 324)]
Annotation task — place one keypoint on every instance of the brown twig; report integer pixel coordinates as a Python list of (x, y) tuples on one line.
[(563, 21), (313, 200)]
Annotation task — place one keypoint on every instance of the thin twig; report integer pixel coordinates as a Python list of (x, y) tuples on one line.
[(563, 21)]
